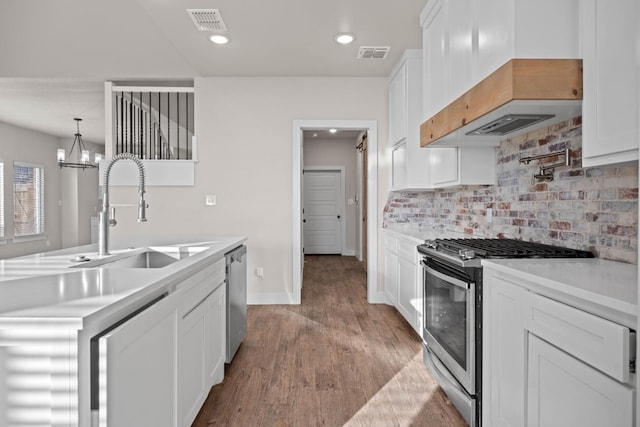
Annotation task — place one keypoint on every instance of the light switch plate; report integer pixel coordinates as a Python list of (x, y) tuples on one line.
[(210, 200)]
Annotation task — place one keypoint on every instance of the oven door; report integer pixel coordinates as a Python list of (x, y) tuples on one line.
[(449, 320)]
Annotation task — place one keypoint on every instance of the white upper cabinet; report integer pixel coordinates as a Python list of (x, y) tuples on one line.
[(434, 57), (460, 22), (455, 166), (410, 162), (466, 40), (398, 106), (610, 110)]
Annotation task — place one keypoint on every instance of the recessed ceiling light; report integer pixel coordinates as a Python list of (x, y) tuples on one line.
[(333, 130), (315, 135), (344, 38), (219, 38)]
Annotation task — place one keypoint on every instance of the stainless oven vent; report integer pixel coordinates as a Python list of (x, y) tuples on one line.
[(207, 20), (509, 123)]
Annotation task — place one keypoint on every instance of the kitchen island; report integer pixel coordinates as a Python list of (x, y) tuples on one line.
[(59, 310)]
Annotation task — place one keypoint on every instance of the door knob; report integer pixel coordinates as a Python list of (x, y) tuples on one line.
[(338, 216), (304, 220)]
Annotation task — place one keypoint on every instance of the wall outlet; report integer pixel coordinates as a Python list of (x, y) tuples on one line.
[(260, 272), (489, 215), (210, 200)]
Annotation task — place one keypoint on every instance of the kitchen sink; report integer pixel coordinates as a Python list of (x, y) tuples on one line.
[(146, 259), (156, 257)]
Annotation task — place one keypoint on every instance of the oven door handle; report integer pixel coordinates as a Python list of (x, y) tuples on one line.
[(444, 277)]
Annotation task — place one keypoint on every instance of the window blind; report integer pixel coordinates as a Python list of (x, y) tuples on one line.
[(28, 199)]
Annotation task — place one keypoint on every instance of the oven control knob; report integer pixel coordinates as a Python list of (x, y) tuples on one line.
[(466, 254), (431, 244)]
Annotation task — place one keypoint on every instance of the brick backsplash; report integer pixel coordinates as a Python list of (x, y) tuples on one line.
[(594, 209)]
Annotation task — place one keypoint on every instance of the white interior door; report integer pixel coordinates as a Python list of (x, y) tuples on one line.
[(323, 211)]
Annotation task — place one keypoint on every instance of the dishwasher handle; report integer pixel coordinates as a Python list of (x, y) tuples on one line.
[(236, 255)]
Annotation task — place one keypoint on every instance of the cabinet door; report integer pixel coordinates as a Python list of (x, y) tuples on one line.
[(460, 25), (563, 391), (434, 60), (192, 375), (399, 166), (494, 20), (610, 108), (391, 276), (216, 335), (137, 363), (444, 166), (407, 290), (398, 106), (503, 354)]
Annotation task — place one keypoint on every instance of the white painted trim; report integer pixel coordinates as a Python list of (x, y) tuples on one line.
[(377, 298), (163, 89), (157, 173), (372, 197), (272, 298), (350, 252), (343, 190), (108, 120)]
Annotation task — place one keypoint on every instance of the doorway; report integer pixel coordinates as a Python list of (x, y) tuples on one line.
[(323, 213), (369, 229)]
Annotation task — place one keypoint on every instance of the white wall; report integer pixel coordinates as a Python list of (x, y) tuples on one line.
[(338, 152), (79, 193), (18, 144), (244, 127)]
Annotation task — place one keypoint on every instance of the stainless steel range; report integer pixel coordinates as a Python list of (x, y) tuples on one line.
[(452, 280)]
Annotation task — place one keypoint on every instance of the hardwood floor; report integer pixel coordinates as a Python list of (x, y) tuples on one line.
[(334, 360)]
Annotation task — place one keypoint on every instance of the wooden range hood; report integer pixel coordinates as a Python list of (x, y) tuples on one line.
[(522, 87)]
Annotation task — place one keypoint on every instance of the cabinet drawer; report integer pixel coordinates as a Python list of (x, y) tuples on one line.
[(598, 342), (407, 249), (196, 288)]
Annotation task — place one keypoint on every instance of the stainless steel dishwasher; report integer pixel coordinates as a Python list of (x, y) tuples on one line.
[(236, 299)]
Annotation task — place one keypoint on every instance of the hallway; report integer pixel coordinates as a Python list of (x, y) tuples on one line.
[(334, 360)]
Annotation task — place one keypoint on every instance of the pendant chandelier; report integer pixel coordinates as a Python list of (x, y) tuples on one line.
[(84, 153)]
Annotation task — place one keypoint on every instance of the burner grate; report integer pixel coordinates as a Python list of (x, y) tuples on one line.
[(510, 248)]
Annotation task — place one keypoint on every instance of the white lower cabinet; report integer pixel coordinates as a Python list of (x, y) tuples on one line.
[(137, 365), (157, 367), (504, 392), (201, 340), (563, 391), (391, 269), (548, 364), (403, 278), (216, 332), (407, 290)]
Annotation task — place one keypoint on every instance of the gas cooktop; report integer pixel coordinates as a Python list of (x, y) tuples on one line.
[(468, 249)]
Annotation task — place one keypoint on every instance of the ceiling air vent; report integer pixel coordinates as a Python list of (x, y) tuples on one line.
[(373, 52), (510, 123), (207, 20)]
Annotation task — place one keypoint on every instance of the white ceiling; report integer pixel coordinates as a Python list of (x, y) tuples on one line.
[(70, 47)]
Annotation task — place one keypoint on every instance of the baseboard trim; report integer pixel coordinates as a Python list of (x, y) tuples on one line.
[(272, 298), (377, 298), (349, 252)]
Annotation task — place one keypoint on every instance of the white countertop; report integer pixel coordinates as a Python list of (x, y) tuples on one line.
[(420, 234), (605, 288), (42, 290)]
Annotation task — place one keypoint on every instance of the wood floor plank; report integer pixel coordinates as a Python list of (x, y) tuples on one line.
[(333, 360)]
